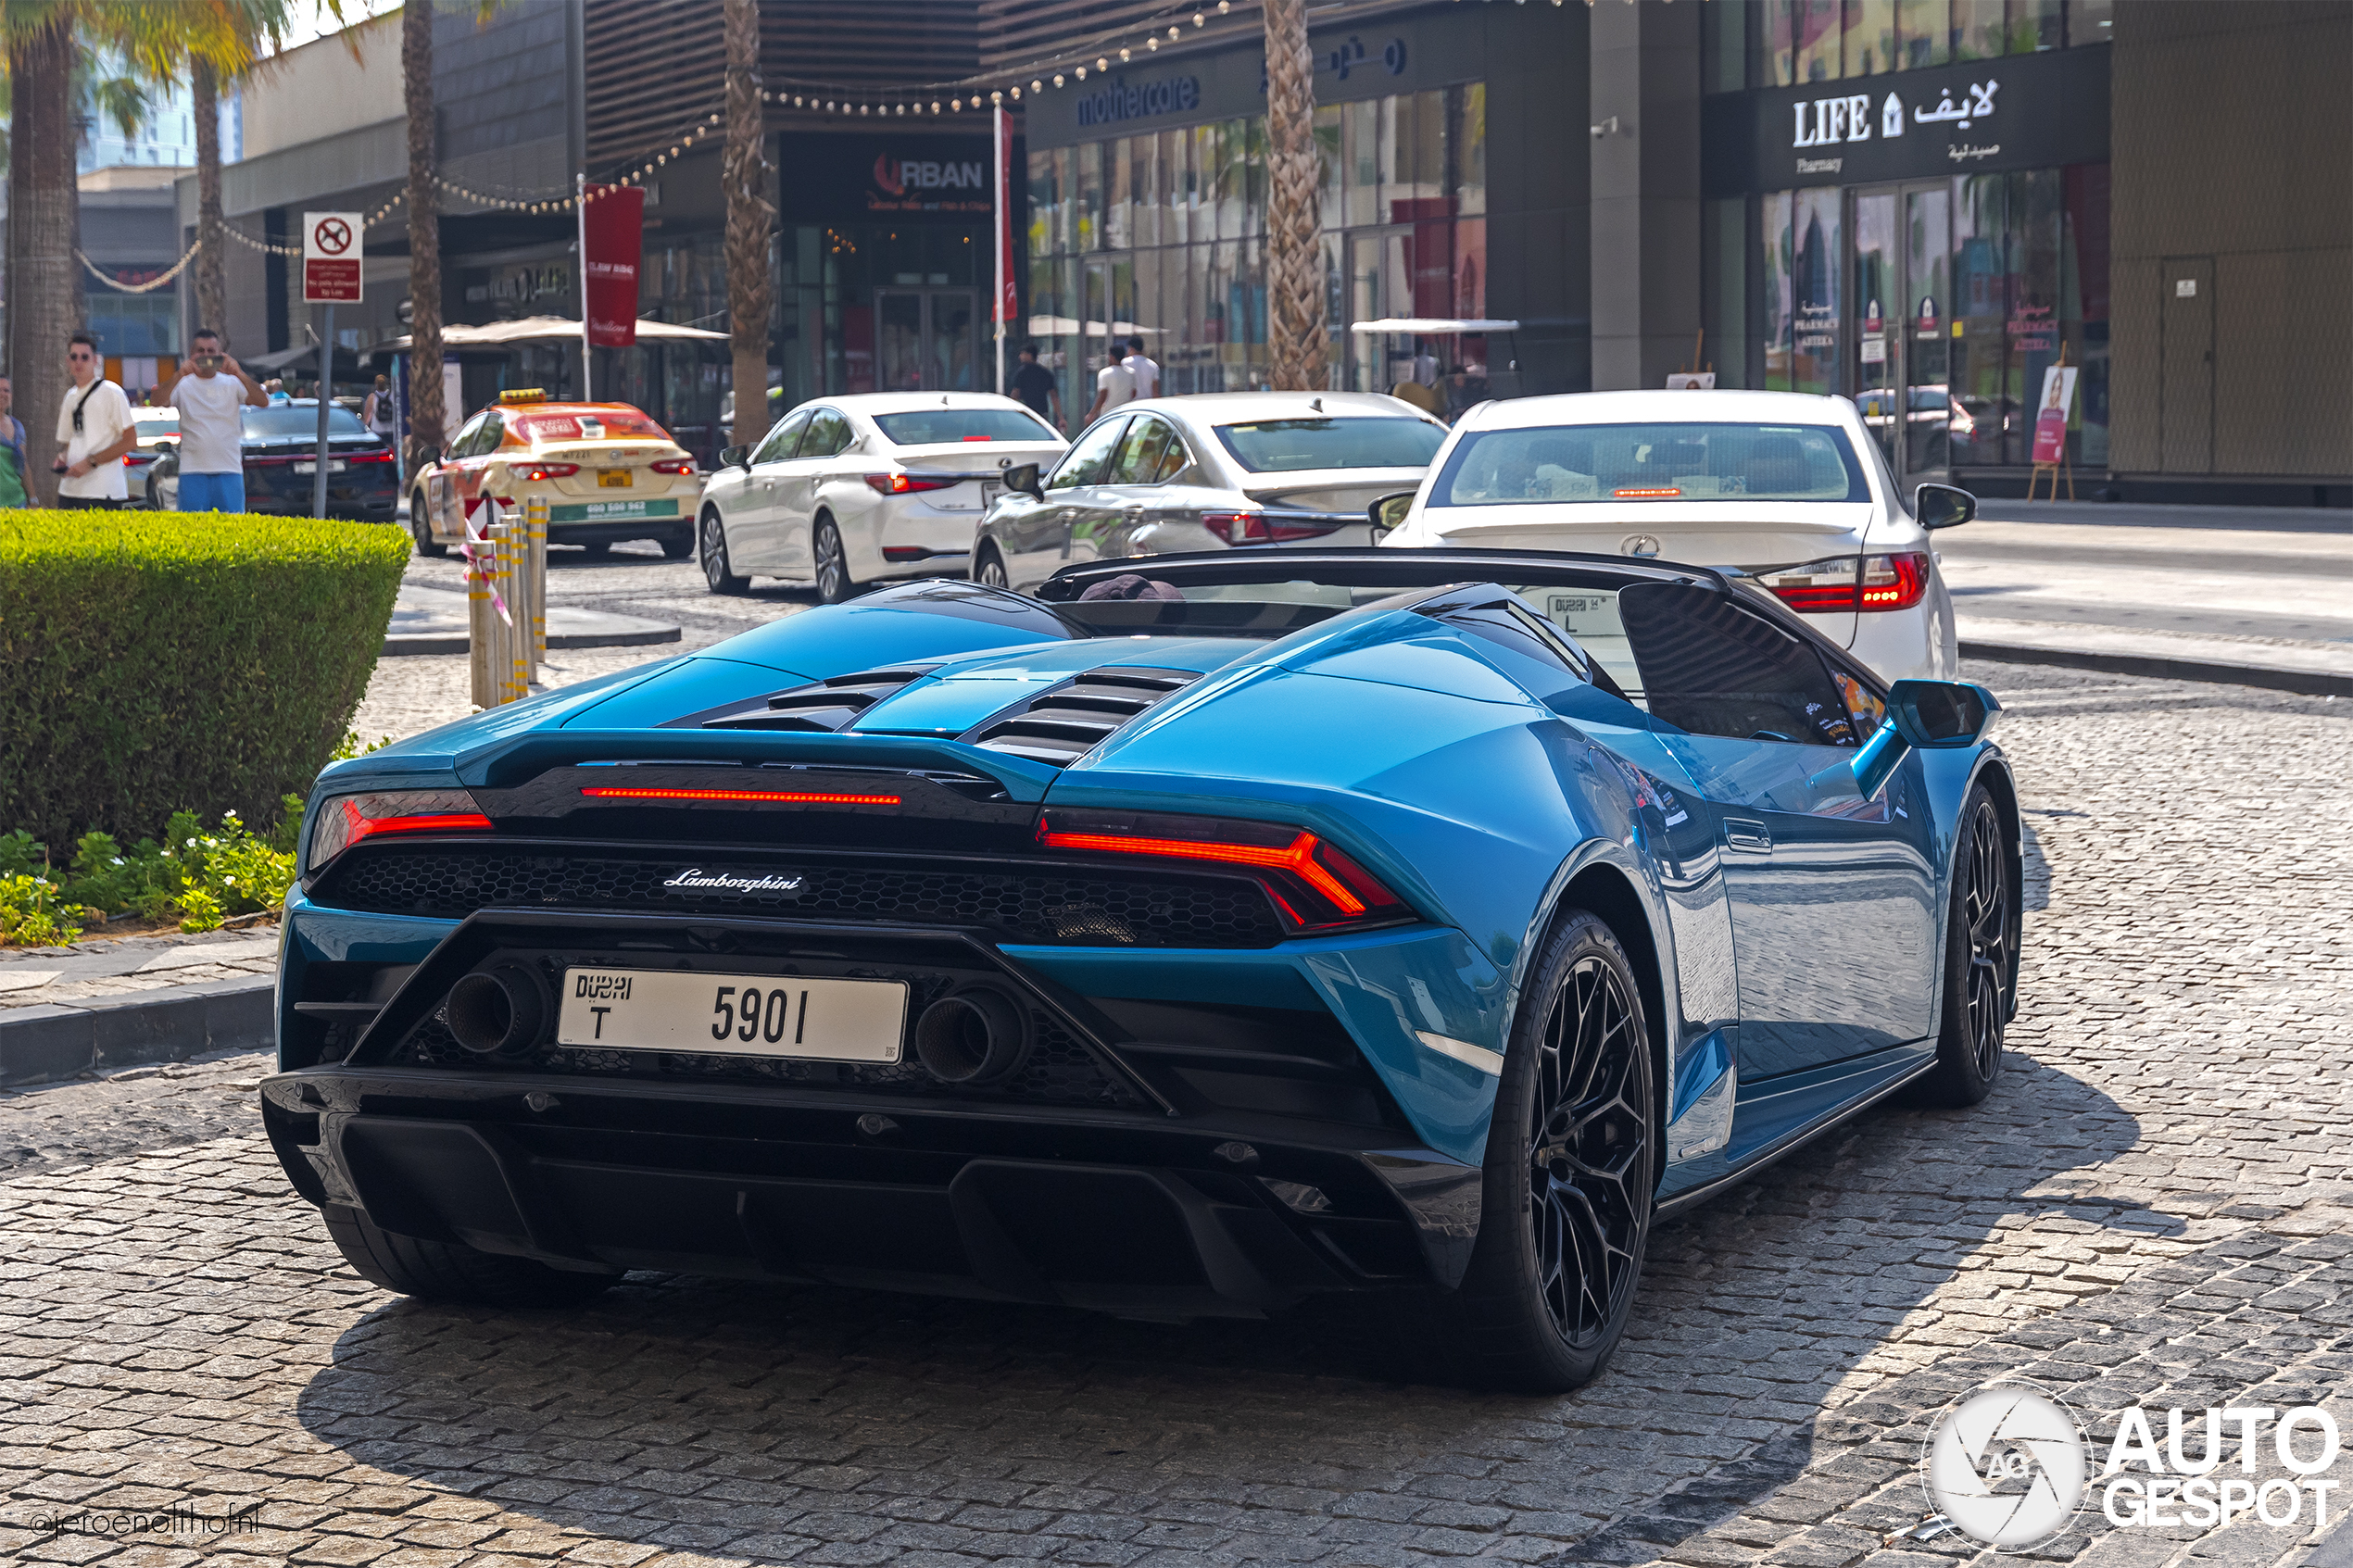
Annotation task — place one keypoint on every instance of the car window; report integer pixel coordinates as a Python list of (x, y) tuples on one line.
[(1139, 455), (931, 426), (1714, 667), (827, 434), (1175, 460), (1286, 446), (1085, 463), (1681, 461), (777, 445), (266, 425)]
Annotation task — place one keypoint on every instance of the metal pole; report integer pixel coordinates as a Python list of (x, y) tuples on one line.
[(580, 204), (326, 373), (999, 234), (536, 518)]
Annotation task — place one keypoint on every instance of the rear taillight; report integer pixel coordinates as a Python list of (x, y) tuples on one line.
[(345, 821), (673, 466), (1851, 582), (1315, 884), (532, 473), (382, 456), (1262, 528), (905, 484)]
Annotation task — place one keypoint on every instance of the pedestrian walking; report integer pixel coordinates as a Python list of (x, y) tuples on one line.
[(93, 432), (1034, 387), (210, 395), (1115, 385), (276, 387), (16, 487), (376, 412), (1147, 374)]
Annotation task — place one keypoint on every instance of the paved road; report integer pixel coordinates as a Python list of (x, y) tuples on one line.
[(2156, 1205)]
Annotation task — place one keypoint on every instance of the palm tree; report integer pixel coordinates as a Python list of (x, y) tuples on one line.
[(741, 174), (212, 289), (1296, 342), (426, 415)]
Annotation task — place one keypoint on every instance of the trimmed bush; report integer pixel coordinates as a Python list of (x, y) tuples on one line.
[(151, 663)]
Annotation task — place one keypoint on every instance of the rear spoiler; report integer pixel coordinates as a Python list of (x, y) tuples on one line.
[(513, 763)]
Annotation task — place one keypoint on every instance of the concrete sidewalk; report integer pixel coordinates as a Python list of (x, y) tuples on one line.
[(427, 620)]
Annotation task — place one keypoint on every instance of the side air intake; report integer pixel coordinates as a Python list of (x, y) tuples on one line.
[(824, 706), (1065, 723)]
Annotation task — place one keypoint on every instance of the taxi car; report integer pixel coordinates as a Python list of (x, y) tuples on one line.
[(608, 473)]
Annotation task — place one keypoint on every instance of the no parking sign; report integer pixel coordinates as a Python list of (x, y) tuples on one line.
[(331, 248)]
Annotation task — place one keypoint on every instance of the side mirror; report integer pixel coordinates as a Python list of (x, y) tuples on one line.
[(1390, 510), (1932, 715), (1022, 477), (735, 456), (1940, 505)]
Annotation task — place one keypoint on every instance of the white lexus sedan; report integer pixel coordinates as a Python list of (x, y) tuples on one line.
[(865, 488), (1786, 488)]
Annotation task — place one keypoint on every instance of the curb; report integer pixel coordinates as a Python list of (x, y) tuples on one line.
[(2269, 677), (432, 643), (56, 1041)]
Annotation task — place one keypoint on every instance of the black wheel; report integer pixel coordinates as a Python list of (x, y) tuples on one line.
[(596, 549), (440, 1271), (1980, 958), (716, 569), (989, 567), (1572, 1164), (678, 546), (832, 566), (421, 530)]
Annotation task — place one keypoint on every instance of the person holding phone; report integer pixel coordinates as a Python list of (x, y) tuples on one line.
[(93, 432), (209, 394)]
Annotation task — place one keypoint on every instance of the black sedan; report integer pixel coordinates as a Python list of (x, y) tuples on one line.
[(282, 465)]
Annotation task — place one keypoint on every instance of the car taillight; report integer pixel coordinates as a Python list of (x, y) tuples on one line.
[(673, 465), (532, 473), (345, 821), (1262, 528), (384, 456), (1851, 582), (1315, 884), (902, 484)]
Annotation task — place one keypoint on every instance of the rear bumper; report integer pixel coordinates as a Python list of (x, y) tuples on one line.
[(621, 533), (1113, 1211)]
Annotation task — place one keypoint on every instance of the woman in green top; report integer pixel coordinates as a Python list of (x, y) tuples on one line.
[(13, 490)]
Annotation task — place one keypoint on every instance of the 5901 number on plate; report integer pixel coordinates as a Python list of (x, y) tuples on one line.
[(804, 1017)]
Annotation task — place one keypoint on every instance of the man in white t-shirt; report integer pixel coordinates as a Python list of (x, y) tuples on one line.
[(93, 432), (1147, 374), (212, 462), (1115, 385)]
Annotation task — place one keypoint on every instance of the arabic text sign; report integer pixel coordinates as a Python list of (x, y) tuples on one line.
[(330, 252), (2050, 417)]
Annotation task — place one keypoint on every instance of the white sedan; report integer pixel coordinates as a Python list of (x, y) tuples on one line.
[(865, 488), (1786, 488)]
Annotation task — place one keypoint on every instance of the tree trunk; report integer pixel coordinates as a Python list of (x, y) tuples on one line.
[(1297, 340), (743, 174), (427, 417), (45, 301), (211, 263)]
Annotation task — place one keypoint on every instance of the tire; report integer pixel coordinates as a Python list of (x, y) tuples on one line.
[(678, 546), (1552, 1277), (422, 530), (1980, 958), (440, 1271), (831, 566), (988, 569), (716, 573)]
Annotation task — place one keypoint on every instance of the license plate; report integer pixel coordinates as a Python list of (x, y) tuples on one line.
[(989, 491), (334, 465), (803, 1017), (611, 511), (612, 479)]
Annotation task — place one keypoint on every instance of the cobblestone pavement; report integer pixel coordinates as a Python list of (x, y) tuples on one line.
[(2154, 1205)]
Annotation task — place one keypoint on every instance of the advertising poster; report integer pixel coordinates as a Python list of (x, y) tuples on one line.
[(611, 230), (2050, 418)]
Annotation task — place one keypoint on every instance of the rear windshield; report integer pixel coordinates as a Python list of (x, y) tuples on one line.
[(266, 425), (1651, 462), (606, 425), (930, 426), (1283, 445)]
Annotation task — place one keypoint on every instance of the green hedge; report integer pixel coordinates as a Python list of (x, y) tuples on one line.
[(154, 662)]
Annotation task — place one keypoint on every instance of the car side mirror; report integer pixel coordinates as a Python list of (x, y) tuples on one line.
[(1390, 510), (735, 456), (1940, 505), (1022, 477), (1932, 715)]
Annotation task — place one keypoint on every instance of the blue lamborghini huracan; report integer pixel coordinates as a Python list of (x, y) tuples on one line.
[(1201, 934)]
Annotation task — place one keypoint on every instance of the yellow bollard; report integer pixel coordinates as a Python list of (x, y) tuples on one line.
[(536, 515), (519, 611)]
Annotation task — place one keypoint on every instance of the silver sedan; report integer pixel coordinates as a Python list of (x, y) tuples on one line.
[(1216, 470)]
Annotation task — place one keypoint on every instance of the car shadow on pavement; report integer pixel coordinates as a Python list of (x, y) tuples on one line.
[(684, 1412)]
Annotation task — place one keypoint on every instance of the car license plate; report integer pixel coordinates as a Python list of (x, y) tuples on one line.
[(804, 1017), (612, 479), (989, 491), (334, 465)]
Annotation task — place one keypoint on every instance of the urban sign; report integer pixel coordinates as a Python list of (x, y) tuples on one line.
[(331, 255)]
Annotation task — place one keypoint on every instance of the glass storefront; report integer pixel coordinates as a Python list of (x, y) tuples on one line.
[(1788, 42), (1160, 235)]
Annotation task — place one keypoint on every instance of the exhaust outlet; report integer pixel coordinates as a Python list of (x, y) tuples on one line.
[(974, 1036), (501, 1010)]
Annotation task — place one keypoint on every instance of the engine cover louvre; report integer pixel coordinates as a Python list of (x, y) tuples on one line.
[(1065, 721), (822, 706)]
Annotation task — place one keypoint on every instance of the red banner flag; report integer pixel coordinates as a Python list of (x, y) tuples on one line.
[(1008, 295), (611, 226)]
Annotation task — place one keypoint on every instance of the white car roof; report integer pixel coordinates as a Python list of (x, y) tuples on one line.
[(1237, 407), (1625, 408), (869, 404)]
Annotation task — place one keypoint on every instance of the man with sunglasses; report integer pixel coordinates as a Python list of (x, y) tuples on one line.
[(93, 432), (212, 462)]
